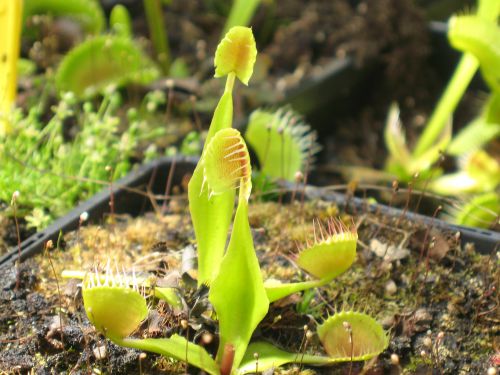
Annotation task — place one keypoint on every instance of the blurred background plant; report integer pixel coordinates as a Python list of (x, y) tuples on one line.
[(80, 149)]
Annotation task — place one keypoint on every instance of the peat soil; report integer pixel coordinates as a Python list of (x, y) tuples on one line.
[(436, 298)]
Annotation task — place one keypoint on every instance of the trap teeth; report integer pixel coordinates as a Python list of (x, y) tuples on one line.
[(333, 250), (226, 162)]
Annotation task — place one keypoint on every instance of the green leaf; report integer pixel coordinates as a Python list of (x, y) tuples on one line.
[(112, 306), (116, 309), (227, 163), (424, 162), (368, 339), (394, 137), (276, 290), (102, 61), (236, 53), (491, 111), (481, 211), (120, 22), (168, 295), (88, 12), (282, 141), (332, 253), (488, 9), (25, 67), (350, 335), (270, 357), (473, 136), (176, 347), (478, 172), (241, 13), (455, 183), (237, 293), (482, 167), (211, 217), (481, 38)]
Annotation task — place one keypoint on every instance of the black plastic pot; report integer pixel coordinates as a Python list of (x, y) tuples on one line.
[(128, 195)]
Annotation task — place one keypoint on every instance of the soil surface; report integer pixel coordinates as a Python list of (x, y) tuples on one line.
[(438, 302)]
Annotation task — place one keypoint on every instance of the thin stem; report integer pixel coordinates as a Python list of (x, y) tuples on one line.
[(158, 32), (461, 78), (280, 291), (230, 82)]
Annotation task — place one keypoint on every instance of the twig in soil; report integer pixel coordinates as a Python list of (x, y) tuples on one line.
[(197, 121), (431, 177), (306, 328), (349, 194), (84, 216), (395, 190), (19, 340), (408, 199), (299, 176), (280, 132), (256, 357), (422, 249), (109, 169), (308, 335), (170, 97), (13, 203), (185, 325), (266, 153), (432, 242), (348, 328), (168, 186), (435, 351), (49, 246), (141, 357), (306, 173)]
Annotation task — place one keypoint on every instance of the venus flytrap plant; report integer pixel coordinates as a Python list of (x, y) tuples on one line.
[(478, 173), (482, 211), (167, 294), (87, 12), (103, 61), (211, 216), (237, 290), (401, 162), (116, 307), (346, 336), (478, 36), (283, 142), (158, 32), (120, 22), (487, 12), (331, 254)]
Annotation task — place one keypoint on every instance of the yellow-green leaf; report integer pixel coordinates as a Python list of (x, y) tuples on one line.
[(236, 53)]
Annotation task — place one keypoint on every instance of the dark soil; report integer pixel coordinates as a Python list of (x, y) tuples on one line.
[(439, 303)]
